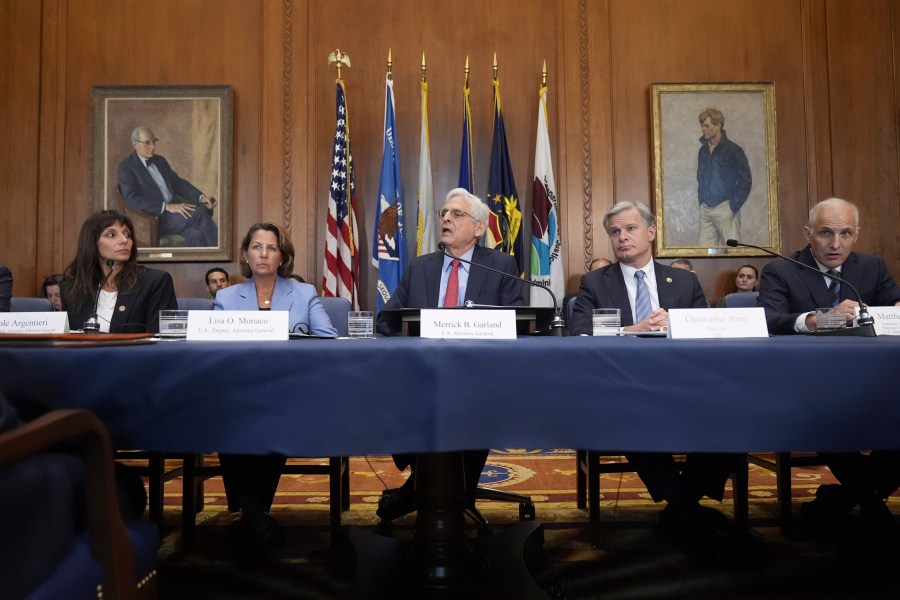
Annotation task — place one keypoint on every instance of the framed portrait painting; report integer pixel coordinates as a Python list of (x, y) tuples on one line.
[(163, 156), (714, 168)]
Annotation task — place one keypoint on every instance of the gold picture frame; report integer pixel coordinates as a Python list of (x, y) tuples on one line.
[(749, 124), (193, 124)]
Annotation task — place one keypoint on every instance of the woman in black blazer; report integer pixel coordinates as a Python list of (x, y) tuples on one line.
[(131, 295)]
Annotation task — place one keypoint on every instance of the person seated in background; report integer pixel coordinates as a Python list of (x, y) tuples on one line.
[(131, 295), (683, 264), (435, 280), (6, 283), (50, 291), (216, 279), (644, 289), (267, 258), (790, 296), (745, 280), (298, 278), (597, 263)]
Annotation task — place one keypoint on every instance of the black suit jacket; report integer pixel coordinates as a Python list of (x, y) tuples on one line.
[(135, 312), (787, 290), (6, 283), (140, 191), (605, 288), (421, 282)]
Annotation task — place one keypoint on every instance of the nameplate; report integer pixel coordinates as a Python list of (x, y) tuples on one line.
[(34, 322), (887, 319), (237, 325), (468, 324), (699, 323)]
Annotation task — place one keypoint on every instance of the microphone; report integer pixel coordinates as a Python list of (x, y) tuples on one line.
[(557, 326), (865, 323), (92, 325)]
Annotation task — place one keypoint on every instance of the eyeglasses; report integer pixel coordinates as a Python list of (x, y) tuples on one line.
[(147, 142), (454, 212)]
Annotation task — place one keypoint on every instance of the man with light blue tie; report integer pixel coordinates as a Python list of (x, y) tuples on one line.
[(643, 289), (148, 183)]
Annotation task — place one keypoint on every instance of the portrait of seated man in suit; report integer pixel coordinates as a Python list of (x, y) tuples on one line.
[(790, 296), (643, 290), (435, 280), (148, 183)]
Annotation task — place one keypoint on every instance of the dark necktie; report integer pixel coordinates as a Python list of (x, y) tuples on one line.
[(451, 296), (834, 288)]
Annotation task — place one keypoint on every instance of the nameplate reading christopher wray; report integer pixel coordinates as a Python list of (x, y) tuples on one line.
[(468, 324), (237, 325)]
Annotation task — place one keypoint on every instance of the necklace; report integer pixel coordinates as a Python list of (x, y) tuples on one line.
[(266, 298)]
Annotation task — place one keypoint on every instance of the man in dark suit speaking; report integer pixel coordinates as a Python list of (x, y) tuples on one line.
[(643, 289), (148, 183), (435, 280), (790, 296)]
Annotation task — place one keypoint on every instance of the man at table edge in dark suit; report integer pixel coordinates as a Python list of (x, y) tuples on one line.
[(790, 296), (424, 284), (6, 284), (632, 228), (186, 211)]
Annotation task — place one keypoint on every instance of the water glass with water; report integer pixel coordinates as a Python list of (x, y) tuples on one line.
[(360, 324), (606, 321), (173, 323), (828, 318)]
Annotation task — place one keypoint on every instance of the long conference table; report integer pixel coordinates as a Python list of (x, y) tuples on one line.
[(313, 397)]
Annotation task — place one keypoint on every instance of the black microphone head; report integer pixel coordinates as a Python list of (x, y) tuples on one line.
[(441, 246), (732, 243), (110, 263)]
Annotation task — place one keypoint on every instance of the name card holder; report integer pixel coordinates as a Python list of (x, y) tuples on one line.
[(34, 322), (237, 325), (701, 323), (468, 324), (887, 319)]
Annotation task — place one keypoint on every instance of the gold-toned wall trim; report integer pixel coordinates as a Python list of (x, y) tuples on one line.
[(586, 173), (287, 70)]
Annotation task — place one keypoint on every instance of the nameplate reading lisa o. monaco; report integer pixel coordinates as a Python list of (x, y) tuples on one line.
[(468, 324), (698, 323), (34, 322), (237, 325)]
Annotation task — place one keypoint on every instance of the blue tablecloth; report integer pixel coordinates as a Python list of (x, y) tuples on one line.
[(333, 397)]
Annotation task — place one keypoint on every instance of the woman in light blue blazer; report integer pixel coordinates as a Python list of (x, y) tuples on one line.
[(267, 258)]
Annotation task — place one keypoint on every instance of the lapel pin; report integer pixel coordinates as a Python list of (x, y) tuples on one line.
[(668, 280), (122, 308)]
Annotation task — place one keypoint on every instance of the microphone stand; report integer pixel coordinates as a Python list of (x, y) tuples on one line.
[(92, 325), (865, 324), (557, 325)]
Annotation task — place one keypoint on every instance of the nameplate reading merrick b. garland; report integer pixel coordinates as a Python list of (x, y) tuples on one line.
[(237, 325), (468, 324), (34, 322)]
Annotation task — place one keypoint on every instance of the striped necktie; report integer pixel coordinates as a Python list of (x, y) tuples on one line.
[(642, 308), (451, 296), (834, 288)]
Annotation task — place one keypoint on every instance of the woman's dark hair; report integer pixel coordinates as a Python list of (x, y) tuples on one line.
[(284, 245), (85, 271), (49, 280)]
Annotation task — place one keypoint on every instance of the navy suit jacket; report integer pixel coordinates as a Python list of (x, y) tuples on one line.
[(136, 311), (605, 288), (299, 299), (787, 290), (140, 191), (6, 283), (421, 282)]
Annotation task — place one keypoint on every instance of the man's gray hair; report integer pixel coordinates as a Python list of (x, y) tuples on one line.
[(477, 208), (136, 133), (647, 215), (831, 203)]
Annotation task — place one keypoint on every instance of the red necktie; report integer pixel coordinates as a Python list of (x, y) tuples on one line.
[(451, 297)]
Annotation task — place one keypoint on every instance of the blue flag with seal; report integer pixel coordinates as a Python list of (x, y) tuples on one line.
[(389, 245)]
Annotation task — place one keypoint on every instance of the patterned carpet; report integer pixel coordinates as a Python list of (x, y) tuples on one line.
[(632, 562)]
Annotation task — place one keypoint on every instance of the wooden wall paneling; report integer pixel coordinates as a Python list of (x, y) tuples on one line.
[(818, 126), (864, 119), (20, 52)]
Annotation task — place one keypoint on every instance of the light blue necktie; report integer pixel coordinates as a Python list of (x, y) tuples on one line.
[(642, 308)]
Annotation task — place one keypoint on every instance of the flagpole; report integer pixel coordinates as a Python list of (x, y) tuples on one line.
[(337, 57)]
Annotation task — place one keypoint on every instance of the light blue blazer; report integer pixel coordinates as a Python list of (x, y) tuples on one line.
[(307, 315)]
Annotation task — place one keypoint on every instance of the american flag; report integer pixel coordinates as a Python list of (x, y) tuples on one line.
[(341, 252)]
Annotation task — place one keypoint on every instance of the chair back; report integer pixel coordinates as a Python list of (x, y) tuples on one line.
[(29, 304), (741, 300), (337, 309), (195, 304), (568, 306)]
